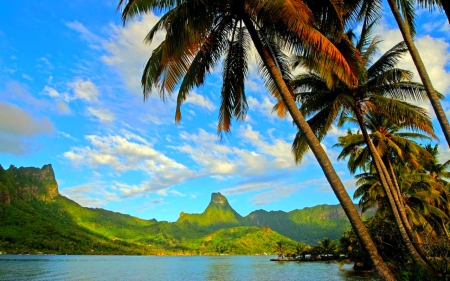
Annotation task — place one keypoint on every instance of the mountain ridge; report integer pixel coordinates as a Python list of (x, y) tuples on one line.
[(31, 210)]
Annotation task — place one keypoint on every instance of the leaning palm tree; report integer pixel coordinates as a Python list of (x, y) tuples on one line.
[(420, 197), (422, 200), (380, 85), (404, 16), (200, 33), (395, 142)]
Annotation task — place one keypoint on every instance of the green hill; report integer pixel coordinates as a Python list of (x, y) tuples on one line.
[(34, 218), (307, 225)]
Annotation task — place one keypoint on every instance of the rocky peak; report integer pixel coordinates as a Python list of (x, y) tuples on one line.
[(29, 182), (218, 198)]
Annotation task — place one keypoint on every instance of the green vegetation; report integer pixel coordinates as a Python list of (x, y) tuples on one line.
[(218, 214), (33, 223), (307, 225)]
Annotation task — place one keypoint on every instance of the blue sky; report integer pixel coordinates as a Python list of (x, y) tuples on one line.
[(70, 95)]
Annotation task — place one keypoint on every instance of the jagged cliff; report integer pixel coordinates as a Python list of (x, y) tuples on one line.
[(27, 183)]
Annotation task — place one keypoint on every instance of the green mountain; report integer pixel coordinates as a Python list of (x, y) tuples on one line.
[(307, 225), (218, 214), (34, 218)]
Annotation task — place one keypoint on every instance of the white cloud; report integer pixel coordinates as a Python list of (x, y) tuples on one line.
[(274, 194), (66, 135), (85, 90), (248, 187), (27, 77), (103, 115), (83, 31), (95, 194), (127, 51), (200, 100), (51, 92), (128, 152), (217, 159), (434, 52)]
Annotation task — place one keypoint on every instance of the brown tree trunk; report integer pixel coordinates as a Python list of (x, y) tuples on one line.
[(431, 92), (387, 186), (322, 158), (395, 181)]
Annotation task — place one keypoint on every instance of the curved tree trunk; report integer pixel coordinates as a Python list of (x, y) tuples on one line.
[(390, 192), (431, 92), (322, 158)]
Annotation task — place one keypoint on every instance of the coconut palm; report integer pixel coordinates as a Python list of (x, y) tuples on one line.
[(280, 247), (424, 199), (300, 250), (440, 175), (381, 86), (200, 33), (404, 16), (327, 248), (394, 141)]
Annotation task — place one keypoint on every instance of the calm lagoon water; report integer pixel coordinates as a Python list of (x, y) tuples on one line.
[(24, 267)]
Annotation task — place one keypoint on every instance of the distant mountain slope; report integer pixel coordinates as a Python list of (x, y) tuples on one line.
[(307, 225)]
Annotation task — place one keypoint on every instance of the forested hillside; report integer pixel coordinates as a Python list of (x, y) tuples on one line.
[(35, 218)]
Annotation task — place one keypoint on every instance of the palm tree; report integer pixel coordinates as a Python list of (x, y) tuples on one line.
[(200, 33), (394, 142), (300, 250), (425, 201), (406, 25), (439, 174), (327, 248), (280, 247), (380, 83)]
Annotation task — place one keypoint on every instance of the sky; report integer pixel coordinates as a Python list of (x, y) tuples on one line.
[(70, 96)]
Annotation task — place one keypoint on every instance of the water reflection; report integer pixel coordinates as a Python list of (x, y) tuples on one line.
[(170, 268)]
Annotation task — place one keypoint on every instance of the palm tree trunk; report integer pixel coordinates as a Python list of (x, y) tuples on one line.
[(394, 179), (431, 92), (401, 207), (387, 186), (322, 158)]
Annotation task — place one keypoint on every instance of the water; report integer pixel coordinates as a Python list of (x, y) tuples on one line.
[(24, 267)]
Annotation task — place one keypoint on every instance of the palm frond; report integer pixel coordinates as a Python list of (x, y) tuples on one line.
[(209, 54), (235, 70)]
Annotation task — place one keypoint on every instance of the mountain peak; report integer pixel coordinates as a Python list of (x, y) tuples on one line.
[(27, 183), (219, 213), (218, 198)]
